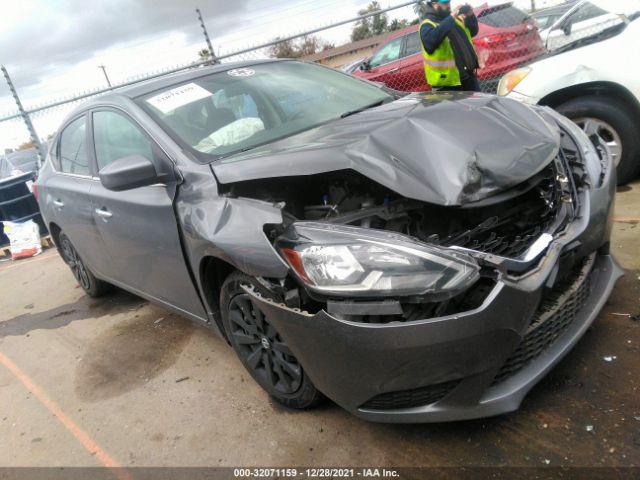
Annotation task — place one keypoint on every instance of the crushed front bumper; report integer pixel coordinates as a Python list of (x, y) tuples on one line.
[(459, 356), (473, 364)]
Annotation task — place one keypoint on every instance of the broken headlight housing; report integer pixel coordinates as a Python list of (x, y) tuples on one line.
[(595, 153), (358, 262)]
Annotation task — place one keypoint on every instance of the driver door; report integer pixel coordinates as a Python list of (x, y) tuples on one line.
[(138, 227), (412, 65), (386, 64)]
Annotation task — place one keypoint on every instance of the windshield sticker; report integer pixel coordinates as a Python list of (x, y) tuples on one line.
[(242, 72), (178, 97)]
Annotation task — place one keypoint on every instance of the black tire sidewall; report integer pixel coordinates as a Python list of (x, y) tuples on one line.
[(621, 118), (97, 287), (307, 395)]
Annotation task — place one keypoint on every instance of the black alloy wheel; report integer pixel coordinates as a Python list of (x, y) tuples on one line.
[(75, 262), (93, 286), (260, 347)]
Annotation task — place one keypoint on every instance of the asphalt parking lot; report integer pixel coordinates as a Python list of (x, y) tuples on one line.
[(86, 382)]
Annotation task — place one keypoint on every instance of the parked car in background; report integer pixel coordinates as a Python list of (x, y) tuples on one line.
[(25, 160), (352, 66), (585, 19), (547, 17), (338, 235), (507, 38), (595, 82)]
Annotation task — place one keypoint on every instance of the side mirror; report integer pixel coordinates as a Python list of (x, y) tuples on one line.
[(364, 66), (130, 172), (566, 28)]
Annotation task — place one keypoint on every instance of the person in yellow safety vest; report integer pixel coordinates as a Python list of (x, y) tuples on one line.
[(450, 61)]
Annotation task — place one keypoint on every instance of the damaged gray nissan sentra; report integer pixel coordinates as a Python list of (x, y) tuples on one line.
[(415, 259)]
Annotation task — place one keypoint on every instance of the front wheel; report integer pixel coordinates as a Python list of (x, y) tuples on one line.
[(93, 286), (261, 349), (613, 123)]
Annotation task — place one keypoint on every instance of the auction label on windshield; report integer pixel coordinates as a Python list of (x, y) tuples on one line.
[(169, 100)]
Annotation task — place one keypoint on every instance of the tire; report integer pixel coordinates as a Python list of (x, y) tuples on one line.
[(260, 348), (92, 286), (616, 116)]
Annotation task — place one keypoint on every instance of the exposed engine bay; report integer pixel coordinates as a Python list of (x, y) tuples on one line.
[(504, 225)]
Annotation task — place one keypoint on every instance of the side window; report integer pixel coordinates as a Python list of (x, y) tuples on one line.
[(586, 11), (73, 148), (589, 11), (388, 53), (542, 22), (116, 137), (413, 44)]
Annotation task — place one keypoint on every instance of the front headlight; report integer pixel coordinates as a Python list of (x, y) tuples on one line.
[(352, 261), (511, 80)]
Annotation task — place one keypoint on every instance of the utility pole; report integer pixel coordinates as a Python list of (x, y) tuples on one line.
[(206, 37), (104, 70), (25, 116)]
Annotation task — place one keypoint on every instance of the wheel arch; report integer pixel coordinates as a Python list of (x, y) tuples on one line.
[(212, 273), (54, 231), (598, 89)]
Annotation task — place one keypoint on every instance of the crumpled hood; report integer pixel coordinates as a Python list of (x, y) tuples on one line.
[(442, 148)]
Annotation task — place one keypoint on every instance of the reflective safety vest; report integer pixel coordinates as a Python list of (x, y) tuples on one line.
[(440, 66)]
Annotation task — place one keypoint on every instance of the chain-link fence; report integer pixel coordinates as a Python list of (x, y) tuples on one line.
[(508, 37), (298, 44), (387, 48)]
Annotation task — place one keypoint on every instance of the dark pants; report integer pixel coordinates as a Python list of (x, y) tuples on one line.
[(469, 84)]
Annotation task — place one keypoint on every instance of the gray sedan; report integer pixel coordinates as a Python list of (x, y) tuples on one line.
[(414, 258)]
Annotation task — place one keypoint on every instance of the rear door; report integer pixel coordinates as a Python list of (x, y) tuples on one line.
[(66, 191), (138, 227)]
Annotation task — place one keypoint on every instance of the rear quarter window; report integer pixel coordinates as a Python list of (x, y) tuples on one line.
[(502, 16)]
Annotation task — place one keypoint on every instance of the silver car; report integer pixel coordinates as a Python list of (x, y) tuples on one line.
[(414, 258)]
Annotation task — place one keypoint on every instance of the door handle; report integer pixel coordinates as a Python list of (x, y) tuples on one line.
[(394, 70), (104, 213), (58, 203)]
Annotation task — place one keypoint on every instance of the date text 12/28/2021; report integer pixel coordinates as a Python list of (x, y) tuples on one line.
[(315, 473)]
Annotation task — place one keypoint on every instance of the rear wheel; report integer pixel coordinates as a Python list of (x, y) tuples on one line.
[(93, 286), (261, 349), (615, 125)]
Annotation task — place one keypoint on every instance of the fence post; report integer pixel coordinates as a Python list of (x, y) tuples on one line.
[(206, 37), (25, 116)]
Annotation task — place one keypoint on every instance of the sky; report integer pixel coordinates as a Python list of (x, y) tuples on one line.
[(52, 48)]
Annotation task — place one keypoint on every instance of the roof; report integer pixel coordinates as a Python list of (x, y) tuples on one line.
[(348, 47)]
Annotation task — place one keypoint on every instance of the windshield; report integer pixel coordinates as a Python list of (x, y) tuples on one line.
[(236, 110)]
